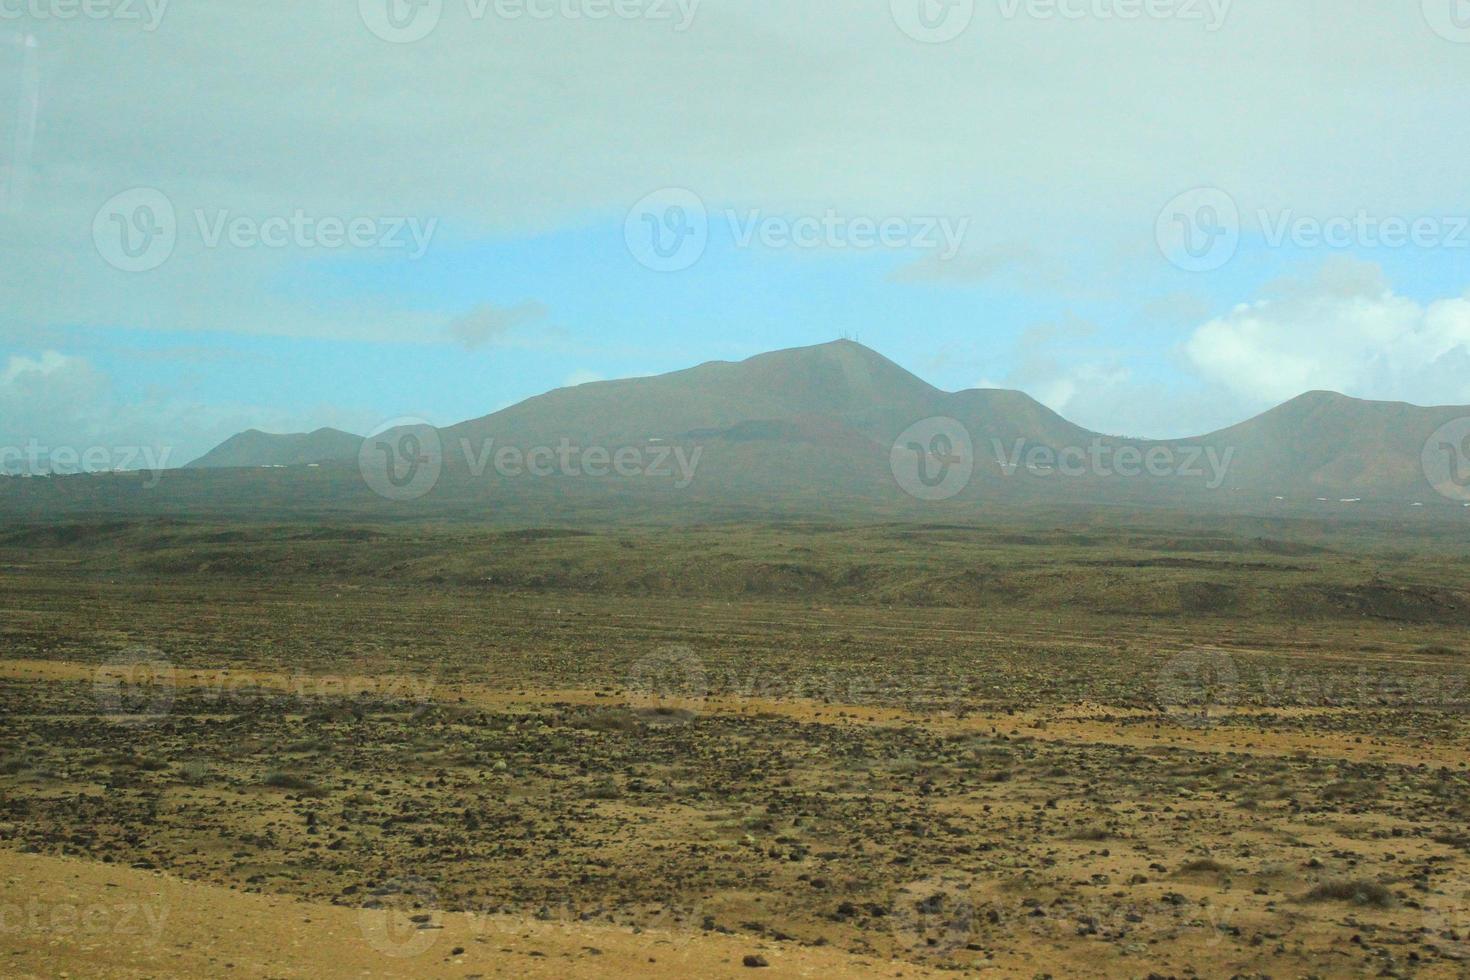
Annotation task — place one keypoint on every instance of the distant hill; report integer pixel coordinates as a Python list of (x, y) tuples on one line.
[(809, 432), (255, 449), (1325, 443), (787, 431)]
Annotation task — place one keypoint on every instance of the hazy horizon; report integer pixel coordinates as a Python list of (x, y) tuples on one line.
[(337, 221)]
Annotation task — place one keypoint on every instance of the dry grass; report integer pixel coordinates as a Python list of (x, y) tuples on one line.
[(1367, 893)]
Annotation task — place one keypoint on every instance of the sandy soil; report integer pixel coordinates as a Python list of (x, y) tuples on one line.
[(66, 917)]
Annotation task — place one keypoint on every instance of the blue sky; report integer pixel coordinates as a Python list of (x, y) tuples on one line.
[(528, 148)]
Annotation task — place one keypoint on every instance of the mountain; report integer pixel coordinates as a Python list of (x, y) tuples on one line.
[(831, 430), (1331, 445), (254, 448), (840, 380), (838, 395), (791, 428)]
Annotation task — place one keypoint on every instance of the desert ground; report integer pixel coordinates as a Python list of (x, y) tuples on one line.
[(1176, 750)]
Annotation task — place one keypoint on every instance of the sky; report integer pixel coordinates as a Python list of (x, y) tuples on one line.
[(1158, 217)]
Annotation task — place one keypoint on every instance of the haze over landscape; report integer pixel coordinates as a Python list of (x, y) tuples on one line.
[(793, 420), (726, 488)]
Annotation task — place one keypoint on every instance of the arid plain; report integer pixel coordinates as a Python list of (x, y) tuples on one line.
[(1181, 748)]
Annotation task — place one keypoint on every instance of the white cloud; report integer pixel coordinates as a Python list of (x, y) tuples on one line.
[(50, 397), (19, 366), (1344, 330)]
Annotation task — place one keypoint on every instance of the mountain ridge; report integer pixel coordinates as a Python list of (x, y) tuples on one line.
[(819, 422)]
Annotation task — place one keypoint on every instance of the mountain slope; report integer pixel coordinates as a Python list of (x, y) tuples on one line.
[(839, 378), (256, 448), (1327, 443)]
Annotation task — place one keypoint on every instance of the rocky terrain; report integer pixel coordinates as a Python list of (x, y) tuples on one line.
[(811, 783)]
